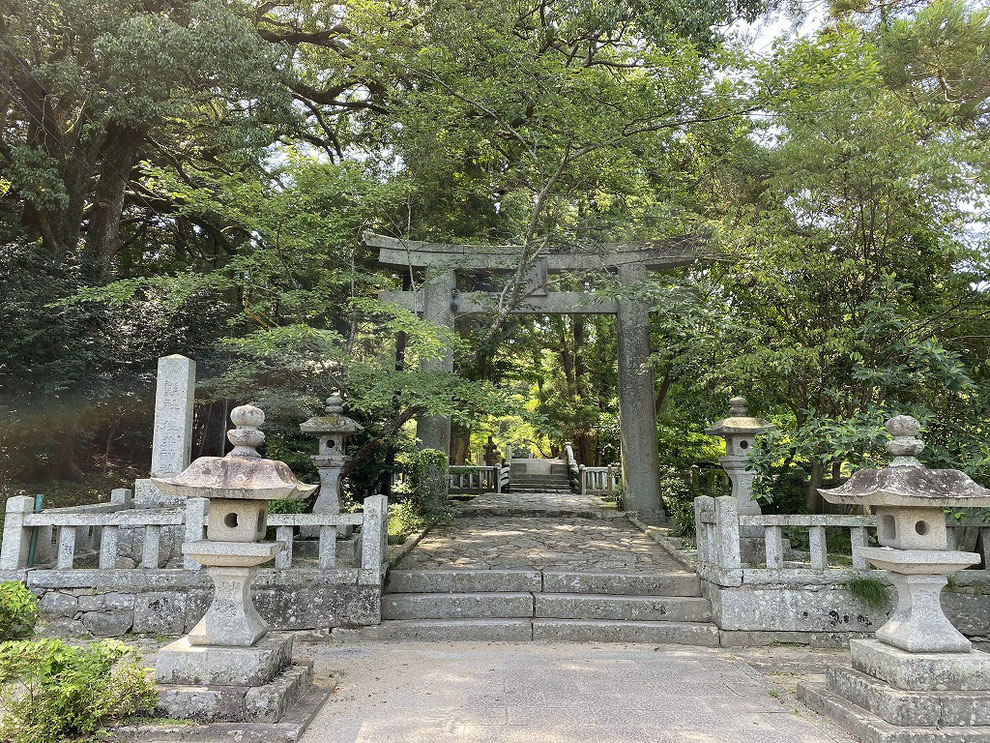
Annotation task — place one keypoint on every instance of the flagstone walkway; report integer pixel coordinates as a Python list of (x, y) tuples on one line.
[(571, 544), (562, 693)]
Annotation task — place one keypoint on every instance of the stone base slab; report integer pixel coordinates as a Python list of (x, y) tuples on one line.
[(288, 730), (181, 663), (266, 702), (910, 708), (872, 729), (922, 671)]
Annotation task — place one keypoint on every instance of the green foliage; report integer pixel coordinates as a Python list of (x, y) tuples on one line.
[(431, 483), (50, 690), (403, 520), (287, 506), (871, 592), (18, 611), (678, 502)]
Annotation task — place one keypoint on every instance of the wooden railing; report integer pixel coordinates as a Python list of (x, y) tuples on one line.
[(479, 478), (599, 480)]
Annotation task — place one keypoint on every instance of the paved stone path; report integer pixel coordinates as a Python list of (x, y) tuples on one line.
[(572, 544), (526, 530), (562, 693)]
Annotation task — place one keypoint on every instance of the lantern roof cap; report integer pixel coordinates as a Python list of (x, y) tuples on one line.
[(905, 481), (333, 421), (243, 473), (739, 421)]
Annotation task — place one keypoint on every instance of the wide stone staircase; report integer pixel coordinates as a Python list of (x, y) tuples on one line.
[(519, 604), (555, 481)]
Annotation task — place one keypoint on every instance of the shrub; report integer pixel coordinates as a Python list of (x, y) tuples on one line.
[(290, 505), (679, 504), (50, 690), (18, 611), (431, 483)]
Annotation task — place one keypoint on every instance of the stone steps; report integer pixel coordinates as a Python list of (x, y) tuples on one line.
[(548, 630), (517, 605), (579, 606), (547, 581)]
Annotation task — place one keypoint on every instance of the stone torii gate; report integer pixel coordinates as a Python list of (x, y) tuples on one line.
[(439, 301)]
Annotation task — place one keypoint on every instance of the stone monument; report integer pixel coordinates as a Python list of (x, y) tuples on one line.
[(920, 679), (171, 443), (227, 667)]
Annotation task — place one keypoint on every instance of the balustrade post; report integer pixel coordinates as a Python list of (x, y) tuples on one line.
[(195, 514), (702, 505), (857, 539), (817, 548), (151, 552), (108, 548), (328, 546), (774, 543), (16, 536), (728, 540), (284, 534), (372, 547), (66, 547)]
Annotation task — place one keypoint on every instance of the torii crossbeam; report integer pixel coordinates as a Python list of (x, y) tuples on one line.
[(439, 301)]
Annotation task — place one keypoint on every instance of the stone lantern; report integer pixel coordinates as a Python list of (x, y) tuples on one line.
[(228, 651), (492, 454), (917, 650), (739, 432), (333, 428)]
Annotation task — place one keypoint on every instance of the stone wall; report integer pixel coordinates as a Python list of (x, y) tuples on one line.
[(109, 603), (833, 609)]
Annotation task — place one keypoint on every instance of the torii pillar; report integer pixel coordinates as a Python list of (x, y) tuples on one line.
[(433, 431), (637, 409)]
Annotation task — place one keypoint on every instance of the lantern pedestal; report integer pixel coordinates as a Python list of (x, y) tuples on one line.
[(227, 668), (231, 619), (920, 679)]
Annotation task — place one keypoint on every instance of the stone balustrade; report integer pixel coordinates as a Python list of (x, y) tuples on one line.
[(598, 480), (479, 478), (82, 531)]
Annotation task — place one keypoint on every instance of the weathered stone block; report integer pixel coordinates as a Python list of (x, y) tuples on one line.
[(922, 671), (185, 664), (160, 613), (462, 581), (270, 702), (107, 623), (456, 605), (56, 604), (211, 703)]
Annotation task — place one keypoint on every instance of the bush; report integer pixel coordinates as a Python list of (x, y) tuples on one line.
[(679, 504), (18, 611), (431, 483), (50, 690)]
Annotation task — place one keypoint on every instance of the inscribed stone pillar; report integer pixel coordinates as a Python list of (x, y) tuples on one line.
[(171, 443), (433, 431), (637, 414)]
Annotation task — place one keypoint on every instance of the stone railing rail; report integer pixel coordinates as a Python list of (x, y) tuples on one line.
[(479, 478), (722, 535), (100, 526), (598, 480)]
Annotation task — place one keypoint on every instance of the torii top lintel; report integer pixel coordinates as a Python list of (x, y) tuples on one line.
[(670, 253)]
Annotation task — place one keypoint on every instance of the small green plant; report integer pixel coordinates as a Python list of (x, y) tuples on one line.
[(871, 592), (292, 505), (50, 691), (18, 611)]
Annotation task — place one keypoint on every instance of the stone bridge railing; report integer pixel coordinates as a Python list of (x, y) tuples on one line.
[(110, 569), (479, 478), (80, 533), (598, 480), (758, 582)]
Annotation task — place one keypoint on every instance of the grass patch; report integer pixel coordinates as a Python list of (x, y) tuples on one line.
[(871, 592)]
